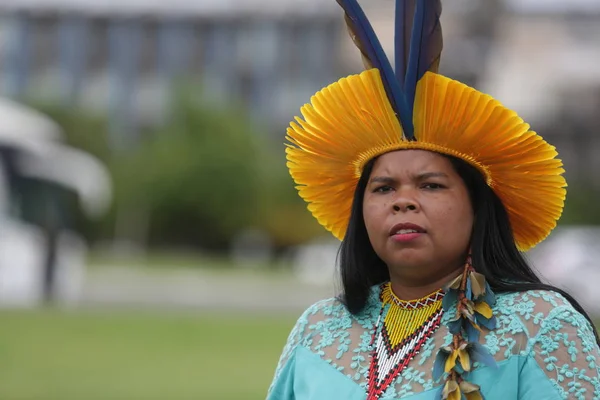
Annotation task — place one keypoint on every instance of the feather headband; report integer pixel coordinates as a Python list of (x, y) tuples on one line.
[(380, 110)]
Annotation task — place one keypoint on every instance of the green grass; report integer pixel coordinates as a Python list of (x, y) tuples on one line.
[(175, 258), (94, 355), (98, 355), (161, 259)]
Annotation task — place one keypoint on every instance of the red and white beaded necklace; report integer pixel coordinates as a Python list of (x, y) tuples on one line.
[(406, 326)]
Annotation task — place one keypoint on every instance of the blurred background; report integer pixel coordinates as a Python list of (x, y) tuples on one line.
[(152, 244)]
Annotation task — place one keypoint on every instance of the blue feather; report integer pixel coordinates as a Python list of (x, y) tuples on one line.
[(490, 297), (405, 12), (481, 354), (449, 299), (469, 290), (489, 323), (371, 47), (439, 364), (425, 47), (472, 333), (455, 326)]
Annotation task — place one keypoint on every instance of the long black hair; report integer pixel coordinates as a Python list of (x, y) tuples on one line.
[(493, 249)]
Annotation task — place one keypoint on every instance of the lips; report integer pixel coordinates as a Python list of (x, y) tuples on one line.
[(406, 228)]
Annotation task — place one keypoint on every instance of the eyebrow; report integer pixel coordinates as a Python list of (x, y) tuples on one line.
[(381, 179), (419, 177), (427, 175)]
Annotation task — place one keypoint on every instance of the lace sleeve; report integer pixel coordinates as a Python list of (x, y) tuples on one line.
[(301, 333), (566, 350)]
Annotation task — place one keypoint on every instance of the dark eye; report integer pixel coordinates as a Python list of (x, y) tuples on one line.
[(382, 189), (432, 185)]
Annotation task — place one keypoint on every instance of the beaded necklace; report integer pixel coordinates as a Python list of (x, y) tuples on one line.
[(406, 327)]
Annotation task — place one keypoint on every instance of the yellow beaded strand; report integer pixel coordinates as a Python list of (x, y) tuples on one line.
[(404, 318)]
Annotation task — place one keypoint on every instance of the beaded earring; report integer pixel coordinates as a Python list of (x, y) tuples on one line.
[(474, 301)]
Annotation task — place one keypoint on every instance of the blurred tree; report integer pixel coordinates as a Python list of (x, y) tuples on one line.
[(197, 177), (82, 129), (283, 214), (197, 181), (206, 175), (581, 205)]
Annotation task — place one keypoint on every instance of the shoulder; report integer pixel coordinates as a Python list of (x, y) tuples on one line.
[(317, 317), (536, 312), (554, 338), (324, 317), (530, 303), (329, 318), (526, 319), (322, 311)]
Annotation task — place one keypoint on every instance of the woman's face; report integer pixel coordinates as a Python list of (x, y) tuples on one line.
[(418, 214)]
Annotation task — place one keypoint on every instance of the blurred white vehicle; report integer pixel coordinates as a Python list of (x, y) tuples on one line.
[(570, 259), (40, 263)]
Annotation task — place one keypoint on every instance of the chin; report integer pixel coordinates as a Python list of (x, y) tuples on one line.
[(408, 259)]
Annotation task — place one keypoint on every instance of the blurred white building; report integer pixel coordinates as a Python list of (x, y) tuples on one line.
[(537, 56), (545, 66), (270, 55)]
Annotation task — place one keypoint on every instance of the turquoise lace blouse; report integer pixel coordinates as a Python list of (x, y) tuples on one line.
[(544, 348)]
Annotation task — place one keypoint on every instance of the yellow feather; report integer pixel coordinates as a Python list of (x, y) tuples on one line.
[(484, 309), (451, 361), (465, 360), (351, 121)]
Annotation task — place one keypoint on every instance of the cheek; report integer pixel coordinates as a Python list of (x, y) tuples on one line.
[(454, 221), (369, 216), (373, 216)]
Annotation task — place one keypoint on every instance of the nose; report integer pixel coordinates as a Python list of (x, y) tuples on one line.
[(405, 202)]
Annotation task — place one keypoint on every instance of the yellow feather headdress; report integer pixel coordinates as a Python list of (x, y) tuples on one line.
[(363, 116)]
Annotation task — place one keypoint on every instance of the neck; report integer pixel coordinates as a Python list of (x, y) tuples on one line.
[(409, 290)]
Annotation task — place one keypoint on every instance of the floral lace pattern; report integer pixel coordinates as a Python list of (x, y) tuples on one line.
[(540, 325), (566, 348)]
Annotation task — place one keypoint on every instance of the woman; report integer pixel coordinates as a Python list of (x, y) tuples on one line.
[(434, 189)]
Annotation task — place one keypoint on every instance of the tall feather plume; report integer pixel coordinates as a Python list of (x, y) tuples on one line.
[(425, 47), (364, 38), (405, 13)]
